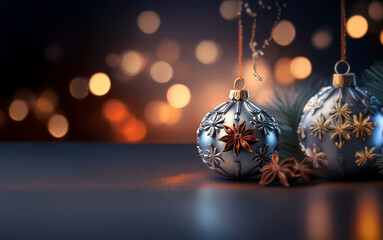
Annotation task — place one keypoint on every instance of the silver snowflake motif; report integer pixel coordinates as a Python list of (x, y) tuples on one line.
[(212, 156), (314, 103), (214, 124), (262, 124), (263, 155)]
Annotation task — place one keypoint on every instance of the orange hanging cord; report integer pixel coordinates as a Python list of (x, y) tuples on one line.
[(240, 40)]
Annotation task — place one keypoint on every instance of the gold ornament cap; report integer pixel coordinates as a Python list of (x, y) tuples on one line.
[(343, 80), (239, 95)]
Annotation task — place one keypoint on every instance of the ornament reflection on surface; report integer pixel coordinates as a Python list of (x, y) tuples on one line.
[(237, 137), (341, 129)]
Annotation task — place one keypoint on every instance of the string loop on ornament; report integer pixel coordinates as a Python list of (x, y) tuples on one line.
[(236, 82), (339, 62)]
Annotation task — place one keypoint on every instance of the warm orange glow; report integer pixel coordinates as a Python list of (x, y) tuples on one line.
[(113, 60), (168, 50), (161, 72), (132, 62), (284, 33), (208, 52), (368, 222), (375, 10), (357, 26), (178, 95), (318, 219), (134, 130), (18, 110), (148, 22), (58, 126), (157, 112), (228, 9), (44, 105), (115, 111), (99, 84), (282, 71), (321, 39), (79, 88), (300, 67), (381, 37)]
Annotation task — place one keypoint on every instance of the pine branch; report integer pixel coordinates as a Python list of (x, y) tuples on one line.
[(286, 106), (372, 80)]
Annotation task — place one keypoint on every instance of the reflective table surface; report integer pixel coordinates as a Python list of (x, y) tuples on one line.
[(111, 191)]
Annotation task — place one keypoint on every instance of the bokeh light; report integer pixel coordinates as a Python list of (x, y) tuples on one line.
[(321, 39), (228, 9), (168, 50), (282, 71), (115, 111), (18, 110), (158, 112), (357, 26), (113, 60), (208, 52), (134, 130), (178, 95), (132, 62), (161, 72), (284, 33), (300, 67), (99, 84), (375, 10), (44, 104), (79, 88), (58, 126), (148, 22)]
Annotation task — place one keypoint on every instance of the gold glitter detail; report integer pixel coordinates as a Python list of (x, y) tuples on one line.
[(319, 126), (340, 132), (340, 111), (363, 157), (362, 126)]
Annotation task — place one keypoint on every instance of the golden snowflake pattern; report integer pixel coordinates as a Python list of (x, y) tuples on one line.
[(364, 156), (362, 127), (340, 111), (319, 126), (341, 131)]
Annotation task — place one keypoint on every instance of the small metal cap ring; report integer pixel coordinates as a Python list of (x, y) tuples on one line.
[(236, 82), (339, 62)]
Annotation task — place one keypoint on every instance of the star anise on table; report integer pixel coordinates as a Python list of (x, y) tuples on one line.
[(363, 157), (362, 126), (319, 126), (302, 169), (238, 137), (340, 111), (275, 169)]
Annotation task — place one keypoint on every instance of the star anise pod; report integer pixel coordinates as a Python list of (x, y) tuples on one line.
[(283, 170), (302, 169), (362, 126), (238, 137)]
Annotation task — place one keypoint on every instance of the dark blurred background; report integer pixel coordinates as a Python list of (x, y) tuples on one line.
[(148, 71)]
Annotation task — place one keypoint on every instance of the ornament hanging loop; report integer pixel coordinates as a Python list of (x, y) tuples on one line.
[(237, 81), (339, 62)]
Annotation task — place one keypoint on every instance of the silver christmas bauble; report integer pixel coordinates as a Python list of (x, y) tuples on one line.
[(341, 129), (237, 137)]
